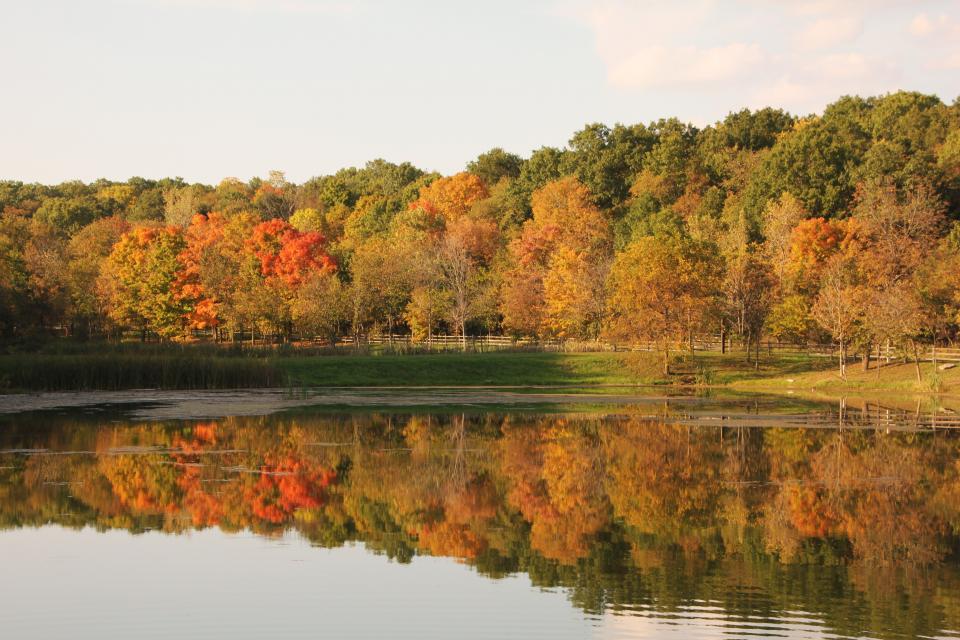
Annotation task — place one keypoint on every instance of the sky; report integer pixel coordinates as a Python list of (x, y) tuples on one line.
[(206, 89)]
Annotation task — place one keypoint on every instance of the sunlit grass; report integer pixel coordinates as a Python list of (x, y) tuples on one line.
[(105, 367)]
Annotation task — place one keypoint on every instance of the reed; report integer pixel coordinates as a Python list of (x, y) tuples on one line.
[(135, 370)]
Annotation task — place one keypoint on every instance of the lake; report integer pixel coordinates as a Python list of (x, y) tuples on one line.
[(665, 517)]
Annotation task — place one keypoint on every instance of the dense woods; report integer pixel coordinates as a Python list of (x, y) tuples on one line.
[(840, 226)]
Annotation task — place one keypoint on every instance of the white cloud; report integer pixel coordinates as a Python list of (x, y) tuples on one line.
[(923, 26), (941, 35), (796, 54), (660, 66), (643, 44), (829, 32), (809, 85), (950, 61), (845, 66)]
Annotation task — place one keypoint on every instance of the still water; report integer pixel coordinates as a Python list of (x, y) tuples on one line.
[(620, 522)]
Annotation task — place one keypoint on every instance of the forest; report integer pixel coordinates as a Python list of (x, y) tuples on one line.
[(839, 227)]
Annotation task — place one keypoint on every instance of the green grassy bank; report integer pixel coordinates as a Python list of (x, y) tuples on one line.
[(465, 369), (111, 368), (184, 369)]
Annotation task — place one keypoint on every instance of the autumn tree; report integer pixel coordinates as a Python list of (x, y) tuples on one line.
[(87, 254), (812, 243), (287, 258), (780, 218), (429, 305), (143, 268), (385, 271), (566, 221), (897, 230), (574, 294), (14, 288), (181, 204), (45, 257), (839, 304), (662, 289), (321, 307), (748, 284), (451, 198), (462, 281)]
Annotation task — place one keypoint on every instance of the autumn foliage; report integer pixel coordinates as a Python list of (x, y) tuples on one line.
[(840, 227)]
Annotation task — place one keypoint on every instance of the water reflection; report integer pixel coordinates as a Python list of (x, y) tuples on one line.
[(783, 530)]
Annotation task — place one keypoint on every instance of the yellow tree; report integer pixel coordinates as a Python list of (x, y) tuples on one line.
[(451, 197), (838, 306), (661, 289), (427, 307), (568, 237), (779, 219), (144, 266), (573, 294)]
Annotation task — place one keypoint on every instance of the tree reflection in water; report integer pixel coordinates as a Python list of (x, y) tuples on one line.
[(859, 526)]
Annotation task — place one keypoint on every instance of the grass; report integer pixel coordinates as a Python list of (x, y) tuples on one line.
[(896, 377), (114, 371), (113, 367), (724, 369), (459, 369), (184, 368)]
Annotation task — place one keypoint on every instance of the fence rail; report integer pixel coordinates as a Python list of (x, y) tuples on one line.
[(713, 344), (706, 343)]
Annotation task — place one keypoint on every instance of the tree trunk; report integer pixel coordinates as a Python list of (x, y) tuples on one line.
[(866, 357), (843, 359), (916, 360)]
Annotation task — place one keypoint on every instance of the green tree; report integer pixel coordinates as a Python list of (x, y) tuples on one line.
[(495, 165)]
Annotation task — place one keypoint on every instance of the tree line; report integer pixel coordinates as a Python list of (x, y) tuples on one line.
[(835, 226)]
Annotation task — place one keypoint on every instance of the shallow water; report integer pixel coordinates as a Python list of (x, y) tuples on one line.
[(676, 519)]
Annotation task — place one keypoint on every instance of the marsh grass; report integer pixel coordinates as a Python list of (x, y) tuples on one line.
[(115, 371)]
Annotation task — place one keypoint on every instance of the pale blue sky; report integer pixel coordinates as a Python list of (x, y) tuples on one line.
[(212, 88)]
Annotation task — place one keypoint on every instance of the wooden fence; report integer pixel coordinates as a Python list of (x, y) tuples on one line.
[(444, 342), (701, 344)]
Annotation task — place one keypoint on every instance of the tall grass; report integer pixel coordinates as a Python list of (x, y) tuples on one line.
[(134, 370)]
